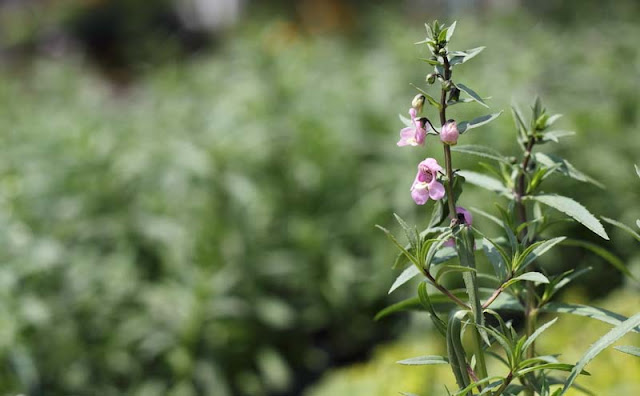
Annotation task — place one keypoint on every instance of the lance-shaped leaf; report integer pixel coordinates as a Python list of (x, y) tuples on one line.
[(406, 275), (623, 227), (481, 151), (425, 300), (600, 314), (424, 360), (455, 350), (450, 30), (536, 334), (603, 253), (477, 122), (612, 336), (550, 366), (528, 276), (637, 171), (471, 93), (498, 260), (573, 209), (484, 181), (564, 167), (628, 349), (534, 251), (460, 57), (556, 135)]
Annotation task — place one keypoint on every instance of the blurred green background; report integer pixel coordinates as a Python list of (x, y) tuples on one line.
[(188, 189)]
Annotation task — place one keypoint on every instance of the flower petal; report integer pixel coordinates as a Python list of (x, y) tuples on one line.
[(436, 190), (420, 195)]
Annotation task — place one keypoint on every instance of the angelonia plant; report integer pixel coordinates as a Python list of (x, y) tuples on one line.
[(450, 242)]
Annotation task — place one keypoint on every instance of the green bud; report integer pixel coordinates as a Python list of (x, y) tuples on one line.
[(447, 85), (418, 102), (443, 51), (431, 78)]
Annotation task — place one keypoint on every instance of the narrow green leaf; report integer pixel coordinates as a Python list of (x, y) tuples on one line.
[(567, 278), (536, 250), (623, 227), (556, 135), (612, 336), (481, 151), (445, 269), (393, 239), (455, 350), (587, 311), (425, 300), (565, 168), (471, 93), (432, 62), (631, 350), (528, 276), (410, 232), (430, 98), (477, 122), (450, 30), (406, 275), (638, 172), (573, 209), (460, 57), (519, 121), (550, 366), (484, 181), (481, 383), (552, 119), (611, 258), (424, 360), (404, 305), (536, 334), (496, 259)]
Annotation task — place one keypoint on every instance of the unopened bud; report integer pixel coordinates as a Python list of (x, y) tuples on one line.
[(443, 51), (447, 85), (418, 102), (449, 133), (431, 78)]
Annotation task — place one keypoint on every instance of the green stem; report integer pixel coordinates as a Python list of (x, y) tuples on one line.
[(447, 150)]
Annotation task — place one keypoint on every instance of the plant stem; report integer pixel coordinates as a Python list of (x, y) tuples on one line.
[(447, 150), (530, 309), (446, 292), (504, 385)]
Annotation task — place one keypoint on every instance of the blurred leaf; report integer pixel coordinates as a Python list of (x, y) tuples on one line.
[(450, 30), (534, 251), (484, 181), (588, 311), (550, 366), (477, 122), (471, 93), (406, 275), (528, 276), (631, 350), (455, 349), (623, 227), (425, 300), (564, 167), (537, 334), (496, 259), (460, 57), (612, 336), (429, 98), (556, 135), (481, 151), (612, 259), (573, 209), (424, 360)]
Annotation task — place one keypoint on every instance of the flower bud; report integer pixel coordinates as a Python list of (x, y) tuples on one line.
[(418, 102), (431, 78), (443, 51), (449, 133), (446, 85)]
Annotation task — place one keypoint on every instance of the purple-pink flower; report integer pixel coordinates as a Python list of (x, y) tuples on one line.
[(413, 135), (449, 133), (426, 184)]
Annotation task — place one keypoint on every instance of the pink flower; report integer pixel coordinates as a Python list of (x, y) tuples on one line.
[(413, 135), (426, 185), (468, 220), (449, 133)]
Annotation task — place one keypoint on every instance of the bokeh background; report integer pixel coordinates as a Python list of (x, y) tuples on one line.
[(189, 188)]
